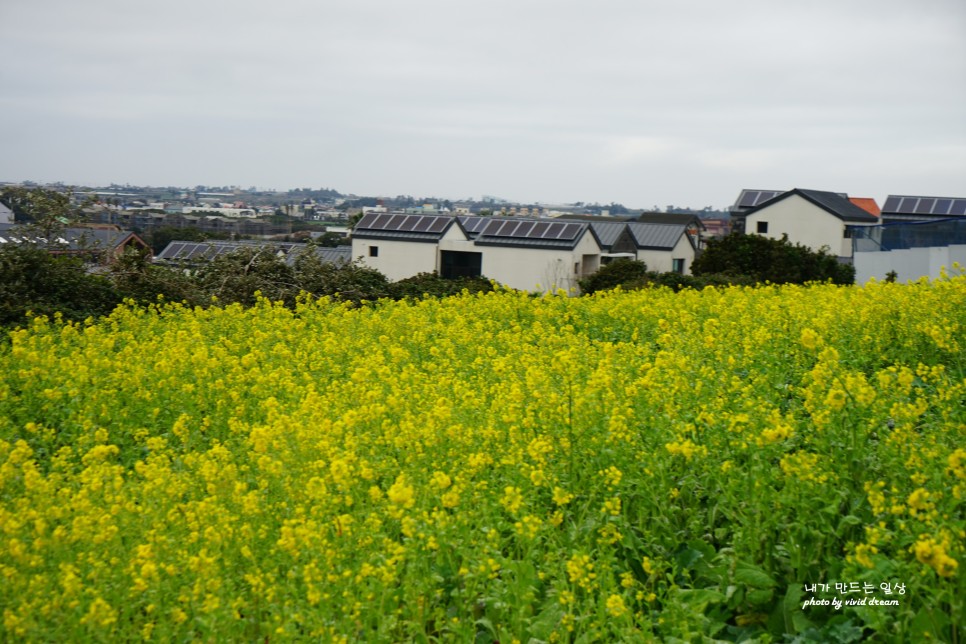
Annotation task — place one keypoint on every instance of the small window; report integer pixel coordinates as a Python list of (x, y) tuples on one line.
[(848, 233), (677, 266), (762, 227), (373, 251), (576, 268)]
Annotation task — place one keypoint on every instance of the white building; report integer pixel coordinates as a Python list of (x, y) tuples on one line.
[(525, 254), (246, 213), (812, 218), (666, 245)]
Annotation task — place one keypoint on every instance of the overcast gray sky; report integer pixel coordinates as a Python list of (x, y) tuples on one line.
[(641, 102)]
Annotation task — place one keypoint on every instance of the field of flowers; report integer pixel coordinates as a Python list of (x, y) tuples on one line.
[(628, 466)]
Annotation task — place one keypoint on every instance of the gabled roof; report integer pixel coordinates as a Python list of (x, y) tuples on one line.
[(608, 232), (657, 236), (833, 203), (420, 228), (669, 218)]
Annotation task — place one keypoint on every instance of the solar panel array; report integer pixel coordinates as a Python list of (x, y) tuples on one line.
[(208, 250), (530, 229), (474, 224), (936, 206), (752, 198), (432, 224)]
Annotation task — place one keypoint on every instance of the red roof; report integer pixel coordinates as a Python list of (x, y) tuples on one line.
[(867, 204)]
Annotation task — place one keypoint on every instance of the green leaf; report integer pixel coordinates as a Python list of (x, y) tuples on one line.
[(753, 576)]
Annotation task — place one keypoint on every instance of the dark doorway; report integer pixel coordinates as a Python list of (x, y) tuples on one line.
[(455, 263)]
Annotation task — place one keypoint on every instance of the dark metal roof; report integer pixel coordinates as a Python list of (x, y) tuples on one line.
[(608, 232), (657, 236)]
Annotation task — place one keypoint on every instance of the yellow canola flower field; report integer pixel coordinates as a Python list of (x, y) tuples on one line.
[(499, 467)]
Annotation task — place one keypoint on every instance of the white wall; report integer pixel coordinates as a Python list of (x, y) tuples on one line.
[(804, 223), (661, 260), (909, 264), (397, 259), (540, 269)]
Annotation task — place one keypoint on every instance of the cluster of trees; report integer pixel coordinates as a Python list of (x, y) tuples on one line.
[(733, 260)]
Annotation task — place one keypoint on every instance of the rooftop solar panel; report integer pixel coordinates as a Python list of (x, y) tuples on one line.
[(379, 222), (570, 231), (409, 223), (553, 232), (173, 250), (475, 224), (422, 224), (366, 220), (438, 224), (908, 205), (539, 229), (942, 206), (523, 229), (925, 206), (958, 207), (394, 221), (503, 228), (748, 199), (891, 204)]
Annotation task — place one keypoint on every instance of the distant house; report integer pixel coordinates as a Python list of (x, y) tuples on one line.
[(666, 248), (812, 218), (403, 245), (100, 245), (527, 254), (535, 254)]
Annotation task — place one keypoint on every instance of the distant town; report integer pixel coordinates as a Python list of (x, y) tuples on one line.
[(523, 245), (309, 204)]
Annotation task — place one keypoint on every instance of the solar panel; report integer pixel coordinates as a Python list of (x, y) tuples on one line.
[(173, 250), (379, 222), (366, 221), (891, 204), (748, 199), (394, 221), (570, 231), (409, 223), (767, 196), (438, 224), (504, 228), (942, 206), (958, 207), (925, 206), (539, 229), (475, 224), (553, 232), (908, 205)]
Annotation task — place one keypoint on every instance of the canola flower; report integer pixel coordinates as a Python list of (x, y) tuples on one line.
[(493, 466)]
